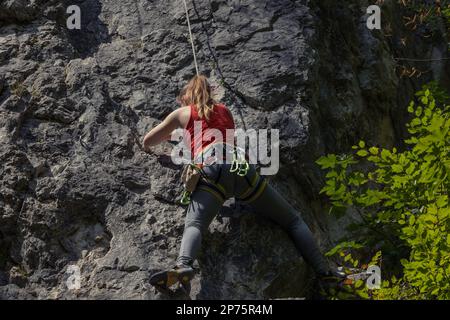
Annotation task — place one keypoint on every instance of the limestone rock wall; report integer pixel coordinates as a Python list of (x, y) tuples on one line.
[(76, 190)]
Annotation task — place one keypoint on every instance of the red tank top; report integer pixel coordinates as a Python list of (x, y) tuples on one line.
[(219, 119)]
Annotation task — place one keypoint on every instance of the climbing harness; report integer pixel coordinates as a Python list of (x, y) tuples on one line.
[(191, 37), (195, 178), (193, 182), (255, 189), (192, 173)]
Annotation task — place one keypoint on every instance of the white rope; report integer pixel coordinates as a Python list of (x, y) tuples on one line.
[(190, 35)]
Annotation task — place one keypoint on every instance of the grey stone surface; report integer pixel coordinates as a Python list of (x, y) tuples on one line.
[(76, 190)]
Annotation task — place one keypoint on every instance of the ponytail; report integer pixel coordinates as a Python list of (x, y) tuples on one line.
[(198, 92)]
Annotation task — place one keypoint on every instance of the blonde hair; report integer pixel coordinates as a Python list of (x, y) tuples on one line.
[(198, 92)]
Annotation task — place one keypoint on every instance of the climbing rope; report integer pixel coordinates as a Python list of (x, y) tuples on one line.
[(191, 37), (216, 66)]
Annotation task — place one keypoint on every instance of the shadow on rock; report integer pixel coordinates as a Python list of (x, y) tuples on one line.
[(242, 259)]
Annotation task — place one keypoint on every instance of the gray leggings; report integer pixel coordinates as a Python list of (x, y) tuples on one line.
[(207, 200)]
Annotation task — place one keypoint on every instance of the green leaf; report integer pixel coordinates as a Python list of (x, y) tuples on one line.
[(410, 169), (415, 122), (362, 153), (373, 150), (442, 201), (424, 100), (331, 174), (418, 112), (385, 154), (328, 161)]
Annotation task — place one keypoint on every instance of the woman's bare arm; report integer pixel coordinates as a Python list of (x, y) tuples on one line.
[(163, 131)]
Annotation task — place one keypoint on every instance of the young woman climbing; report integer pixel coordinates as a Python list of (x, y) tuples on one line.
[(220, 181)]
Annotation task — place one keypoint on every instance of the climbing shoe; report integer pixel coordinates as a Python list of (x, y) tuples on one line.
[(333, 275), (179, 276), (329, 283)]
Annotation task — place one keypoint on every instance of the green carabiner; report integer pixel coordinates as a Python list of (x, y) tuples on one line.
[(234, 164), (243, 170), (185, 198)]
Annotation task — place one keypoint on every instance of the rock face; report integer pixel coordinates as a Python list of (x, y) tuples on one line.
[(76, 192)]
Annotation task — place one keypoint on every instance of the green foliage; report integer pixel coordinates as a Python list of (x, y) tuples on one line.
[(439, 94), (401, 201)]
